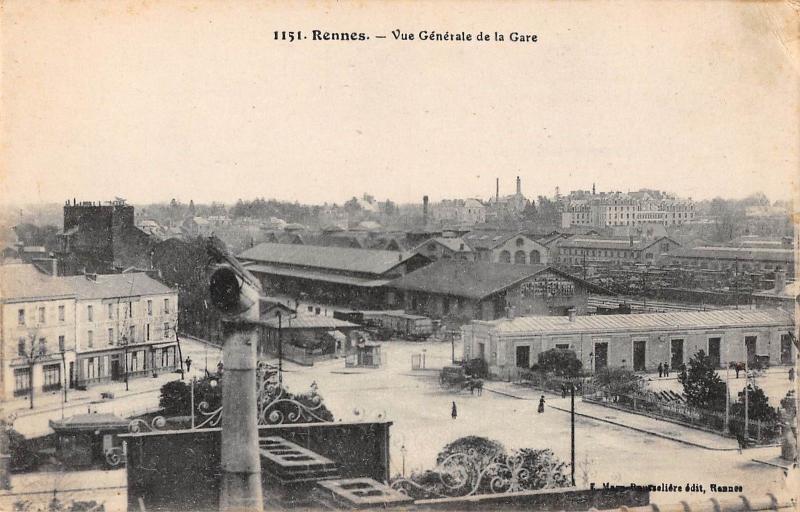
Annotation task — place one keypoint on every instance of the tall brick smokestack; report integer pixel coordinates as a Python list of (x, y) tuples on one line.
[(425, 210), (519, 186), (497, 190)]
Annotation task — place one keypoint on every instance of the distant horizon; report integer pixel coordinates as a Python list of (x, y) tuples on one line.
[(186, 201)]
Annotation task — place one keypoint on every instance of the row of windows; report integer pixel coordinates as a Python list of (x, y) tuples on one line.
[(129, 311), (599, 252), (32, 348), (131, 334)]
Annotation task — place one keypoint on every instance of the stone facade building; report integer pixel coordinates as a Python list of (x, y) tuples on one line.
[(640, 341)]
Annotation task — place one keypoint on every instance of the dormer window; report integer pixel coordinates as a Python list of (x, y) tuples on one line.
[(520, 242)]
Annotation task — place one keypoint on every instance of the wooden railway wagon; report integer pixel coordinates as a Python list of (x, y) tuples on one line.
[(397, 322)]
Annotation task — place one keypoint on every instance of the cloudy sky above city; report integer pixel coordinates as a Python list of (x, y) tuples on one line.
[(150, 101)]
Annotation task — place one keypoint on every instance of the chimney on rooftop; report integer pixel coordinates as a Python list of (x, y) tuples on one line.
[(425, 210), (510, 312), (780, 280), (572, 312)]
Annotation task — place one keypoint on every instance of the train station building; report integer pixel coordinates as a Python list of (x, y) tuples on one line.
[(638, 341)]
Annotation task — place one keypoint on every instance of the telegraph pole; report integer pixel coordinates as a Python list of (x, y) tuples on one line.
[(235, 293)]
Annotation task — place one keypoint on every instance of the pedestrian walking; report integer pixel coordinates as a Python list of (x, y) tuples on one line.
[(188, 364), (454, 411), (660, 370), (791, 374), (666, 369), (541, 405)]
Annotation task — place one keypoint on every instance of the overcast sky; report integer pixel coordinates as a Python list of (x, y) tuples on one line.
[(194, 100)]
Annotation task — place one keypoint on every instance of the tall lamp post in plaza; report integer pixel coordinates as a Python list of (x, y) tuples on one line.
[(124, 343), (63, 352), (572, 431), (280, 348)]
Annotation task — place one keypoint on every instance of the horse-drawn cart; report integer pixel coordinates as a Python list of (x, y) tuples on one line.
[(456, 378)]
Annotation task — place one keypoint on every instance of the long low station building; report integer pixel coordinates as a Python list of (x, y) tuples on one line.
[(639, 341), (331, 275), (467, 290)]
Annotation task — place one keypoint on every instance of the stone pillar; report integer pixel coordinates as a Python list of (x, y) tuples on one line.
[(236, 294), (240, 457)]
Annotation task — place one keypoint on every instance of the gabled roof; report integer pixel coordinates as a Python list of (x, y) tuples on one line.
[(474, 279), (741, 253), (90, 422), (717, 319), (454, 244), (338, 258), (116, 285), (310, 322), (22, 281), (613, 243), (489, 239)]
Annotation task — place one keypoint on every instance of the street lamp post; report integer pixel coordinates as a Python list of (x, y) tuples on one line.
[(727, 428), (64, 369), (746, 399), (403, 453), (572, 431), (125, 358), (280, 349)]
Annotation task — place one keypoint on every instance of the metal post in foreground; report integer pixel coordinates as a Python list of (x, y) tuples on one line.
[(572, 431), (237, 297), (727, 428), (746, 400)]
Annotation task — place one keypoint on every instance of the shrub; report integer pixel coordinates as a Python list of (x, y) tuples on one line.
[(563, 363), (618, 381)]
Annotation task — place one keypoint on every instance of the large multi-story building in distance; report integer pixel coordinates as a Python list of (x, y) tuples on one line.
[(605, 209)]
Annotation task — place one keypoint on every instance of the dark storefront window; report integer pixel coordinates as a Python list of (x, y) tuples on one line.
[(52, 377)]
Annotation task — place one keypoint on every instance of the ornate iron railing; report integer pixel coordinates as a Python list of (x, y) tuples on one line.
[(275, 406), (470, 473)]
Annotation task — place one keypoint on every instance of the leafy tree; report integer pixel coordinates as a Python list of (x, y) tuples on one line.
[(563, 363), (22, 455), (481, 446), (617, 381), (758, 407), (702, 387), (352, 205), (482, 466), (175, 398), (529, 212)]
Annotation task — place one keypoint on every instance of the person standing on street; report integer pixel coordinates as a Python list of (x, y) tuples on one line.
[(660, 370), (666, 369), (541, 405), (188, 364), (454, 411)]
